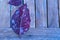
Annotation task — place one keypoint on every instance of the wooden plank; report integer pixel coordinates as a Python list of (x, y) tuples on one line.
[(30, 4), (45, 31), (59, 13), (41, 15), (4, 14), (53, 14)]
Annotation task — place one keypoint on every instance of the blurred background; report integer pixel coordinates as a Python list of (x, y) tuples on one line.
[(44, 20)]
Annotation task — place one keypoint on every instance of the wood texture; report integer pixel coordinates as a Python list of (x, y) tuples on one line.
[(4, 14), (41, 14), (53, 14)]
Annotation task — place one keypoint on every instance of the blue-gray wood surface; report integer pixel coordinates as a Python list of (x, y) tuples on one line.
[(53, 21), (41, 32), (41, 15)]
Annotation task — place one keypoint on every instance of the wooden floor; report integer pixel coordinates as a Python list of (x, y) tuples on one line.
[(32, 34)]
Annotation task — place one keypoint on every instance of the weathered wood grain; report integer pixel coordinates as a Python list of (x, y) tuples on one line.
[(59, 13), (53, 14), (41, 15), (4, 14), (32, 33)]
